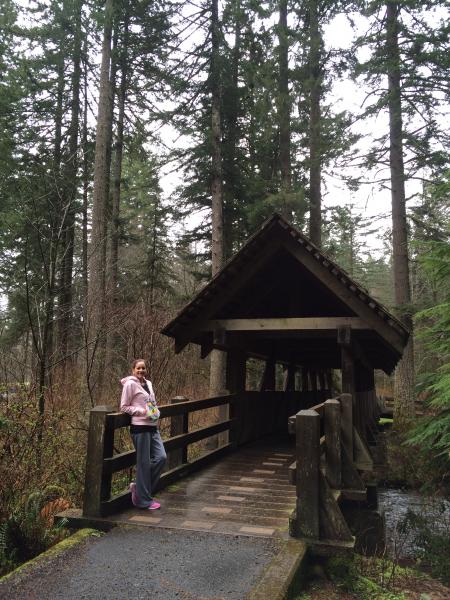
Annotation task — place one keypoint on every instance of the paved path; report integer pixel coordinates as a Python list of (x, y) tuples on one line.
[(142, 563), (213, 539)]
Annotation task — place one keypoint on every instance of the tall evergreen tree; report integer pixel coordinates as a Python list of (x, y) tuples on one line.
[(97, 256), (404, 394), (403, 69)]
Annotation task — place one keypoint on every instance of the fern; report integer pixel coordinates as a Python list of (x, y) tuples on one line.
[(30, 529), (432, 434)]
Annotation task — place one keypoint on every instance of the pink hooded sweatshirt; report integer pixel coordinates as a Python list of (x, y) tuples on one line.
[(134, 400)]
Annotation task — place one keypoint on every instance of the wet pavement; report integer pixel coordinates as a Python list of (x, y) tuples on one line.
[(213, 539), (141, 563)]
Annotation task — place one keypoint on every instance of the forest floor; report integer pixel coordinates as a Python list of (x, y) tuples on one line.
[(414, 590), (364, 578)]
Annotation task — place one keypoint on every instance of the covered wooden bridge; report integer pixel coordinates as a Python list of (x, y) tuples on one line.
[(284, 303)]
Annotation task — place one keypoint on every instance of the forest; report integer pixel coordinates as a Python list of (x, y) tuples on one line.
[(142, 143)]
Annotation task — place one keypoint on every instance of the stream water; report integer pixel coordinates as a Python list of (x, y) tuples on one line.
[(395, 504)]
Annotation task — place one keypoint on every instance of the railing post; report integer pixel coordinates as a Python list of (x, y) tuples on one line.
[(179, 424), (97, 484), (236, 375), (332, 425), (268, 378), (307, 425), (347, 423)]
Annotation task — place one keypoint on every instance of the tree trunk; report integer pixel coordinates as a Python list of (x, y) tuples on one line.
[(284, 109), (85, 177), (65, 296), (216, 150), (97, 255), (117, 179), (217, 367), (315, 91), (404, 374), (56, 209)]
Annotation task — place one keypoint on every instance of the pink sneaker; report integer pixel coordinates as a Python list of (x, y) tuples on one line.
[(154, 506), (134, 496)]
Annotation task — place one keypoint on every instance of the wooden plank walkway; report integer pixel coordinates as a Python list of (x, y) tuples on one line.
[(246, 493)]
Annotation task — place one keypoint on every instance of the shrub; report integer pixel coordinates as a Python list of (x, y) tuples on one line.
[(30, 528)]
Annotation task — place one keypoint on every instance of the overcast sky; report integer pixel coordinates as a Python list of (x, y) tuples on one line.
[(372, 199)]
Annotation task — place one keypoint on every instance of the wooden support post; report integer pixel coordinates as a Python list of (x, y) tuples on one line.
[(329, 377), (333, 442), (348, 368), (348, 371), (236, 371), (289, 382), (365, 383), (97, 483), (347, 423), (313, 379), (236, 376), (268, 379), (308, 464), (322, 380), (305, 386), (178, 424)]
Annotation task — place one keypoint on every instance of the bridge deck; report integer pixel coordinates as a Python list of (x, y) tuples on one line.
[(246, 493)]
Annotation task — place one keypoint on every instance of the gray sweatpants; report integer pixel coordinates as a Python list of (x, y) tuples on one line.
[(150, 459)]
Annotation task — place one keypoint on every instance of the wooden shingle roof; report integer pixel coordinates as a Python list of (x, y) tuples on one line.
[(277, 245)]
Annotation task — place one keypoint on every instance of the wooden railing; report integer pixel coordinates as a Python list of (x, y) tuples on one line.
[(252, 415), (330, 452), (101, 463)]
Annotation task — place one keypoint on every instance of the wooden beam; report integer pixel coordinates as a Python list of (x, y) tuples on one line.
[(286, 324), (391, 336), (222, 294)]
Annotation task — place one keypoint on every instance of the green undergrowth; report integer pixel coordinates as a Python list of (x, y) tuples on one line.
[(59, 548), (30, 528), (358, 578), (411, 468)]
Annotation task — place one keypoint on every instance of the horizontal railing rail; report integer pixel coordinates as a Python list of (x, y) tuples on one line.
[(102, 463)]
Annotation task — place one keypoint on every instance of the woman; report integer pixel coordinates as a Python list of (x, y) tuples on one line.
[(138, 400)]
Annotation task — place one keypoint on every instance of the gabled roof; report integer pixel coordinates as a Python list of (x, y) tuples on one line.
[(277, 245)]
